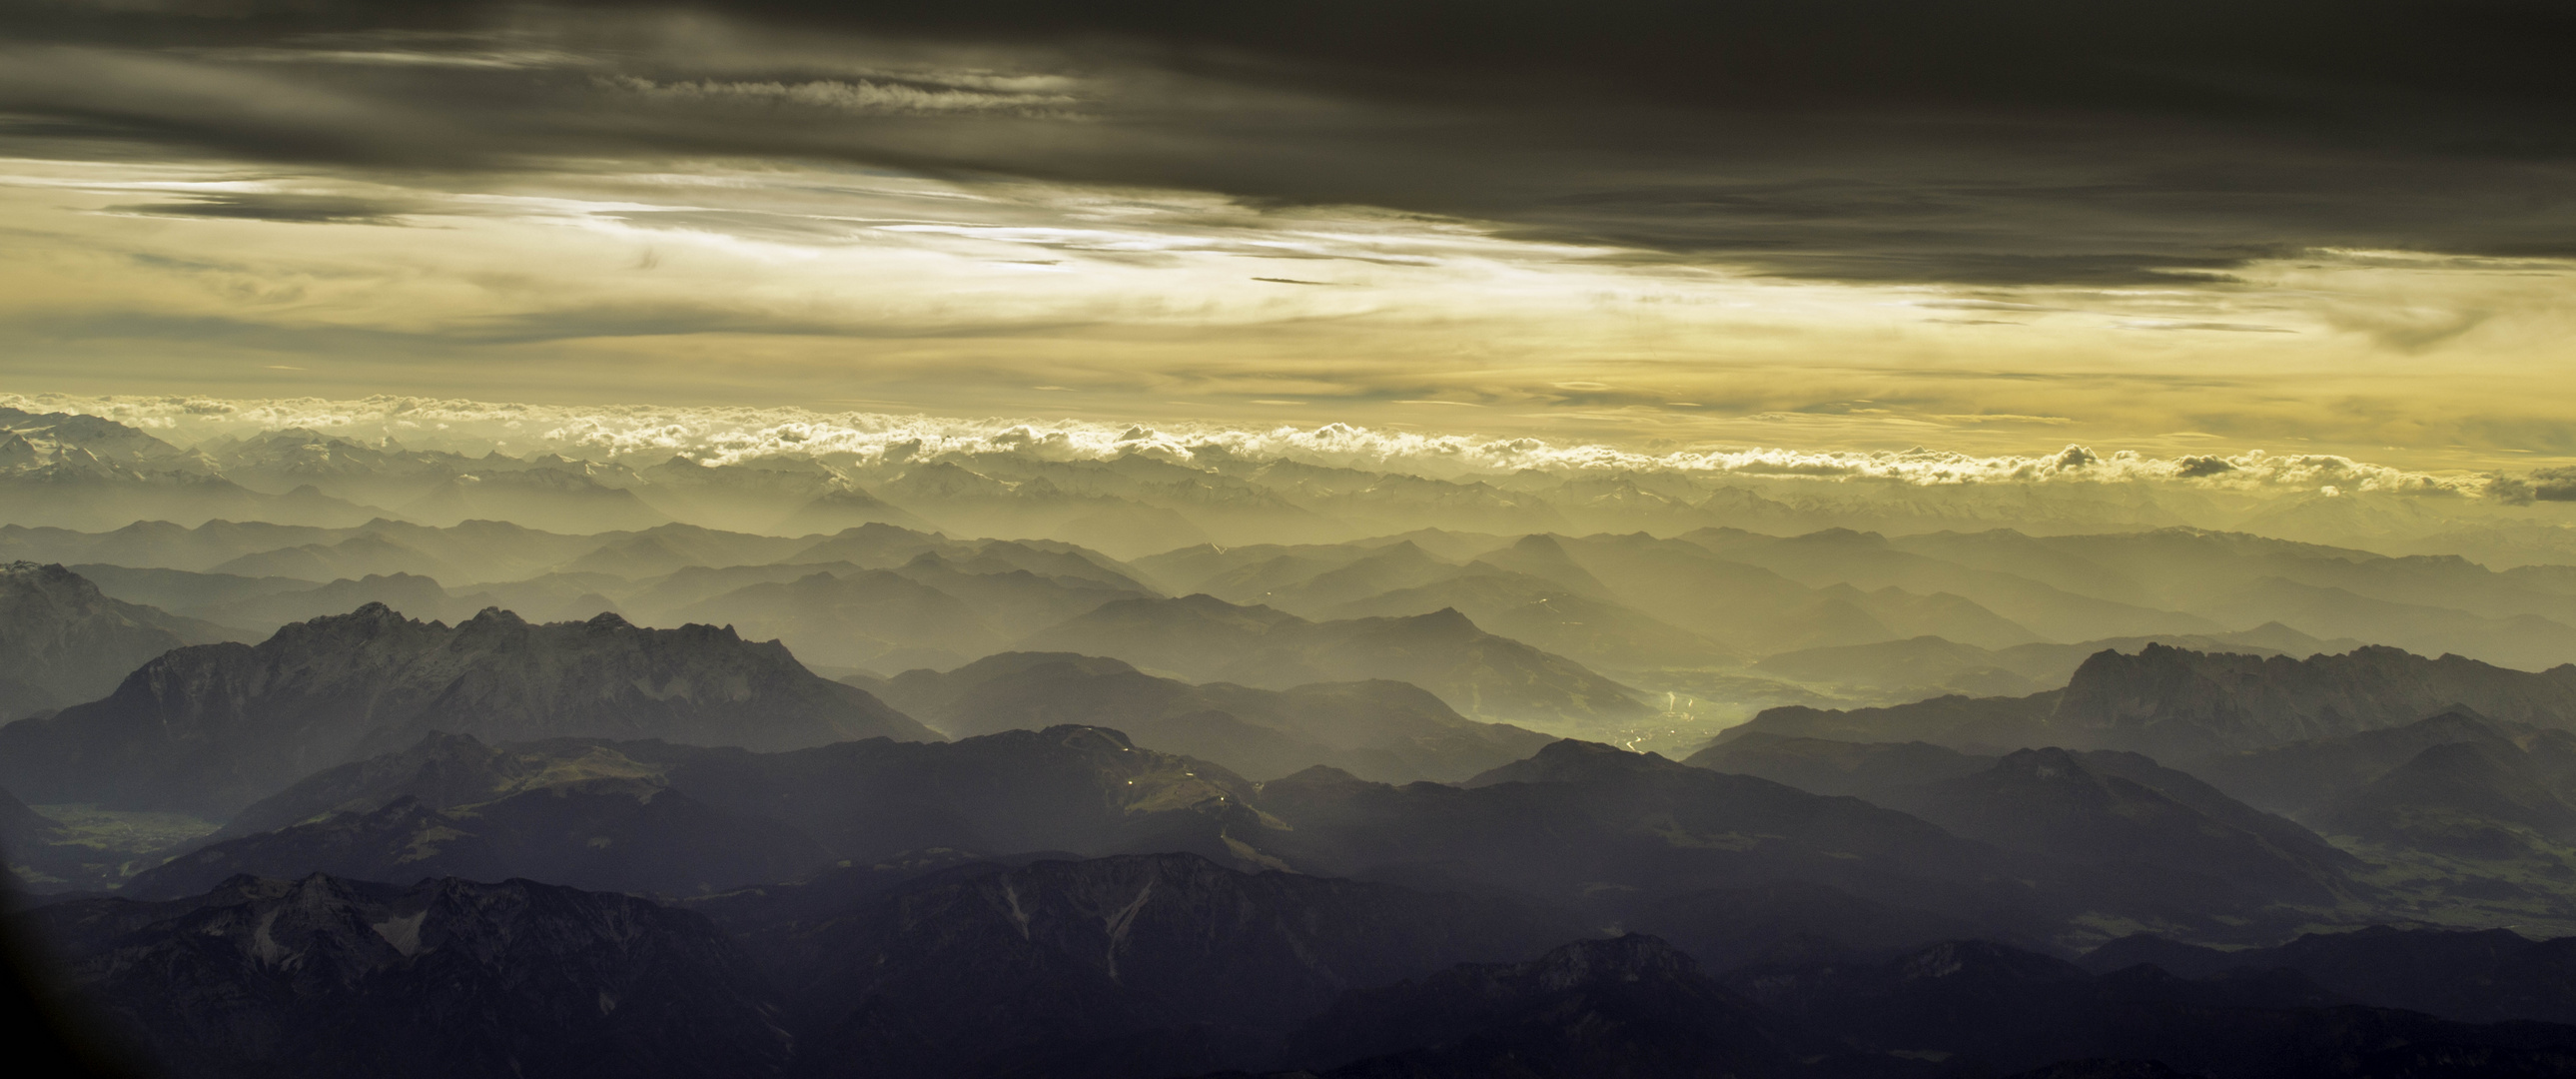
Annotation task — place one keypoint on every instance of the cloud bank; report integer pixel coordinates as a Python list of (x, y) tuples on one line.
[(720, 435)]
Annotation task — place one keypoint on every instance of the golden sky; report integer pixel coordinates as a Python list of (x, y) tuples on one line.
[(744, 208)]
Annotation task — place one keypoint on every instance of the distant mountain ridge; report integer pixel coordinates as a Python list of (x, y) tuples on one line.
[(657, 816), (215, 727), (2175, 704), (1384, 730), (1206, 639)]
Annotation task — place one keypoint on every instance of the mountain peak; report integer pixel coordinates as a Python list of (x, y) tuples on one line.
[(1574, 761), (214, 728), (2046, 762)]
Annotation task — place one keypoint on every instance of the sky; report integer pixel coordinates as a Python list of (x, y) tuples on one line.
[(1987, 227)]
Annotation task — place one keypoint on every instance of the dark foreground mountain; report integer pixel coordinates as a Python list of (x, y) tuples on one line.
[(1983, 1008), (62, 642), (445, 979), (1626, 1007), (1206, 639), (625, 835), (2085, 810), (2099, 808), (1380, 730), (2479, 976), (2300, 778), (2463, 800), (654, 816), (1613, 832), (1831, 766), (2180, 705), (939, 966), (1150, 965), (213, 728)]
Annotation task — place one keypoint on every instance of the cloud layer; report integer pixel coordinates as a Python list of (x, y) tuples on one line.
[(2193, 229), (716, 435)]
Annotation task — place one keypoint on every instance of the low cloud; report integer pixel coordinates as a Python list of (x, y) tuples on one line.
[(730, 434)]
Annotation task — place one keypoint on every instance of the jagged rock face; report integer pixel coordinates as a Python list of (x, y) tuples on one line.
[(1148, 965), (213, 728), (2176, 704), (443, 980), (1632, 1006), (62, 642)]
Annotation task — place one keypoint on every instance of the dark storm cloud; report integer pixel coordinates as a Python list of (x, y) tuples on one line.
[(270, 206), (1978, 142)]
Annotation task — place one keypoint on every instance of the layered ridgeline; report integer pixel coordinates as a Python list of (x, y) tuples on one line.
[(874, 595), (2179, 705), (2372, 748), (1206, 639), (445, 978), (212, 728), (1382, 730), (63, 642), (654, 816), (1621, 836), (1171, 965)]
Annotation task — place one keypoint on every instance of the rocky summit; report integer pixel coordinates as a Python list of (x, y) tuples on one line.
[(63, 642), (213, 728)]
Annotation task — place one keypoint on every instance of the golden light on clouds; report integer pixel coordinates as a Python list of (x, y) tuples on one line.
[(1539, 230), (775, 284)]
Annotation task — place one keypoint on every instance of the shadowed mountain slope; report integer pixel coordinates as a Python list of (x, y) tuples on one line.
[(445, 979), (1383, 730), (1147, 965), (655, 815), (2081, 808), (1590, 825), (2461, 799), (1206, 639), (1984, 1008), (1826, 766), (213, 728), (2299, 778), (2480, 976), (2181, 705), (620, 835), (1632, 1006)]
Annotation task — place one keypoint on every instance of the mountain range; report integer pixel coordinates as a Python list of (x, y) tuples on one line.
[(2183, 705), (1202, 638), (212, 728), (1383, 730)]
